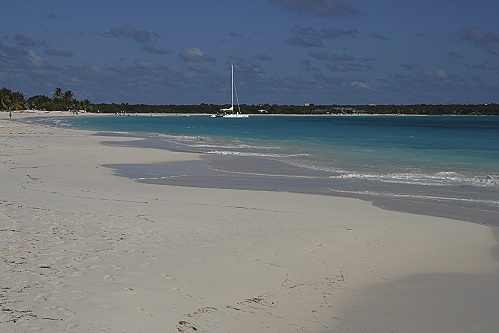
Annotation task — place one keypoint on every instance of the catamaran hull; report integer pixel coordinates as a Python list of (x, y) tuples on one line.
[(236, 115)]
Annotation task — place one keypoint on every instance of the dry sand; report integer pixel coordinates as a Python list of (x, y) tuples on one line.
[(83, 250)]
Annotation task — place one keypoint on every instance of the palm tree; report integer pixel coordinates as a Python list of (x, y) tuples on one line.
[(5, 97), (39, 102), (57, 93), (67, 98), (12, 100), (18, 102), (68, 95), (87, 106)]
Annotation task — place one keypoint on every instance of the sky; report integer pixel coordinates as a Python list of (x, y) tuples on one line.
[(289, 52)]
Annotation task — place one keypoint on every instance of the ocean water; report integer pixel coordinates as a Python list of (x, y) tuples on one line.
[(442, 158)]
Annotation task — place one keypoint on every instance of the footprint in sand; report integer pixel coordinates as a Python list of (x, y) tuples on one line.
[(66, 312), (143, 312), (127, 292), (130, 291), (109, 278)]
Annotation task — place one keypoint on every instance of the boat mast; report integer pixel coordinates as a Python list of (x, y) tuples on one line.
[(232, 87)]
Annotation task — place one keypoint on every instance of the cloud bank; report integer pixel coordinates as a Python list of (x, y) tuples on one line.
[(483, 40)]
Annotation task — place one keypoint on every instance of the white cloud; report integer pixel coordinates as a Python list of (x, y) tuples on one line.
[(194, 54), (435, 74), (35, 60), (360, 85)]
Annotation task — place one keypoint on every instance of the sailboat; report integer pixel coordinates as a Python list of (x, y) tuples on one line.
[(229, 112)]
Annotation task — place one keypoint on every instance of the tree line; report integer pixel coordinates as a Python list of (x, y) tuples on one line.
[(60, 100), (65, 100), (418, 109)]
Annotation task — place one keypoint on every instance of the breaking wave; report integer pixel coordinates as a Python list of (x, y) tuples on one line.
[(252, 154), (434, 179)]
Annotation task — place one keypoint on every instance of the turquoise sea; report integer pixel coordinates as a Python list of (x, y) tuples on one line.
[(453, 159)]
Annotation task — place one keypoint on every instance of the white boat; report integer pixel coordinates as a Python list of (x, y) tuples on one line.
[(235, 115), (229, 112)]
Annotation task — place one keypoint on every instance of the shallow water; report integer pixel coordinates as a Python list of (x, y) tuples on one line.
[(442, 159)]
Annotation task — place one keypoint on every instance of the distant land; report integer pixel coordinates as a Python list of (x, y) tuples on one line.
[(64, 100), (419, 109)]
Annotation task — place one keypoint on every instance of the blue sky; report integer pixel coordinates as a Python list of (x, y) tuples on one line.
[(283, 51)]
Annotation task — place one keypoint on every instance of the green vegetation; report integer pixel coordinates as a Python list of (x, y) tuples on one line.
[(65, 101), (10, 100), (420, 109)]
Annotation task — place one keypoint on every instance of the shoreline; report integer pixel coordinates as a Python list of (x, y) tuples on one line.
[(189, 176), (86, 250), (210, 168), (436, 207), (68, 113)]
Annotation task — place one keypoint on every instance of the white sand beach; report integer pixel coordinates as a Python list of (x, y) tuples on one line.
[(83, 250)]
